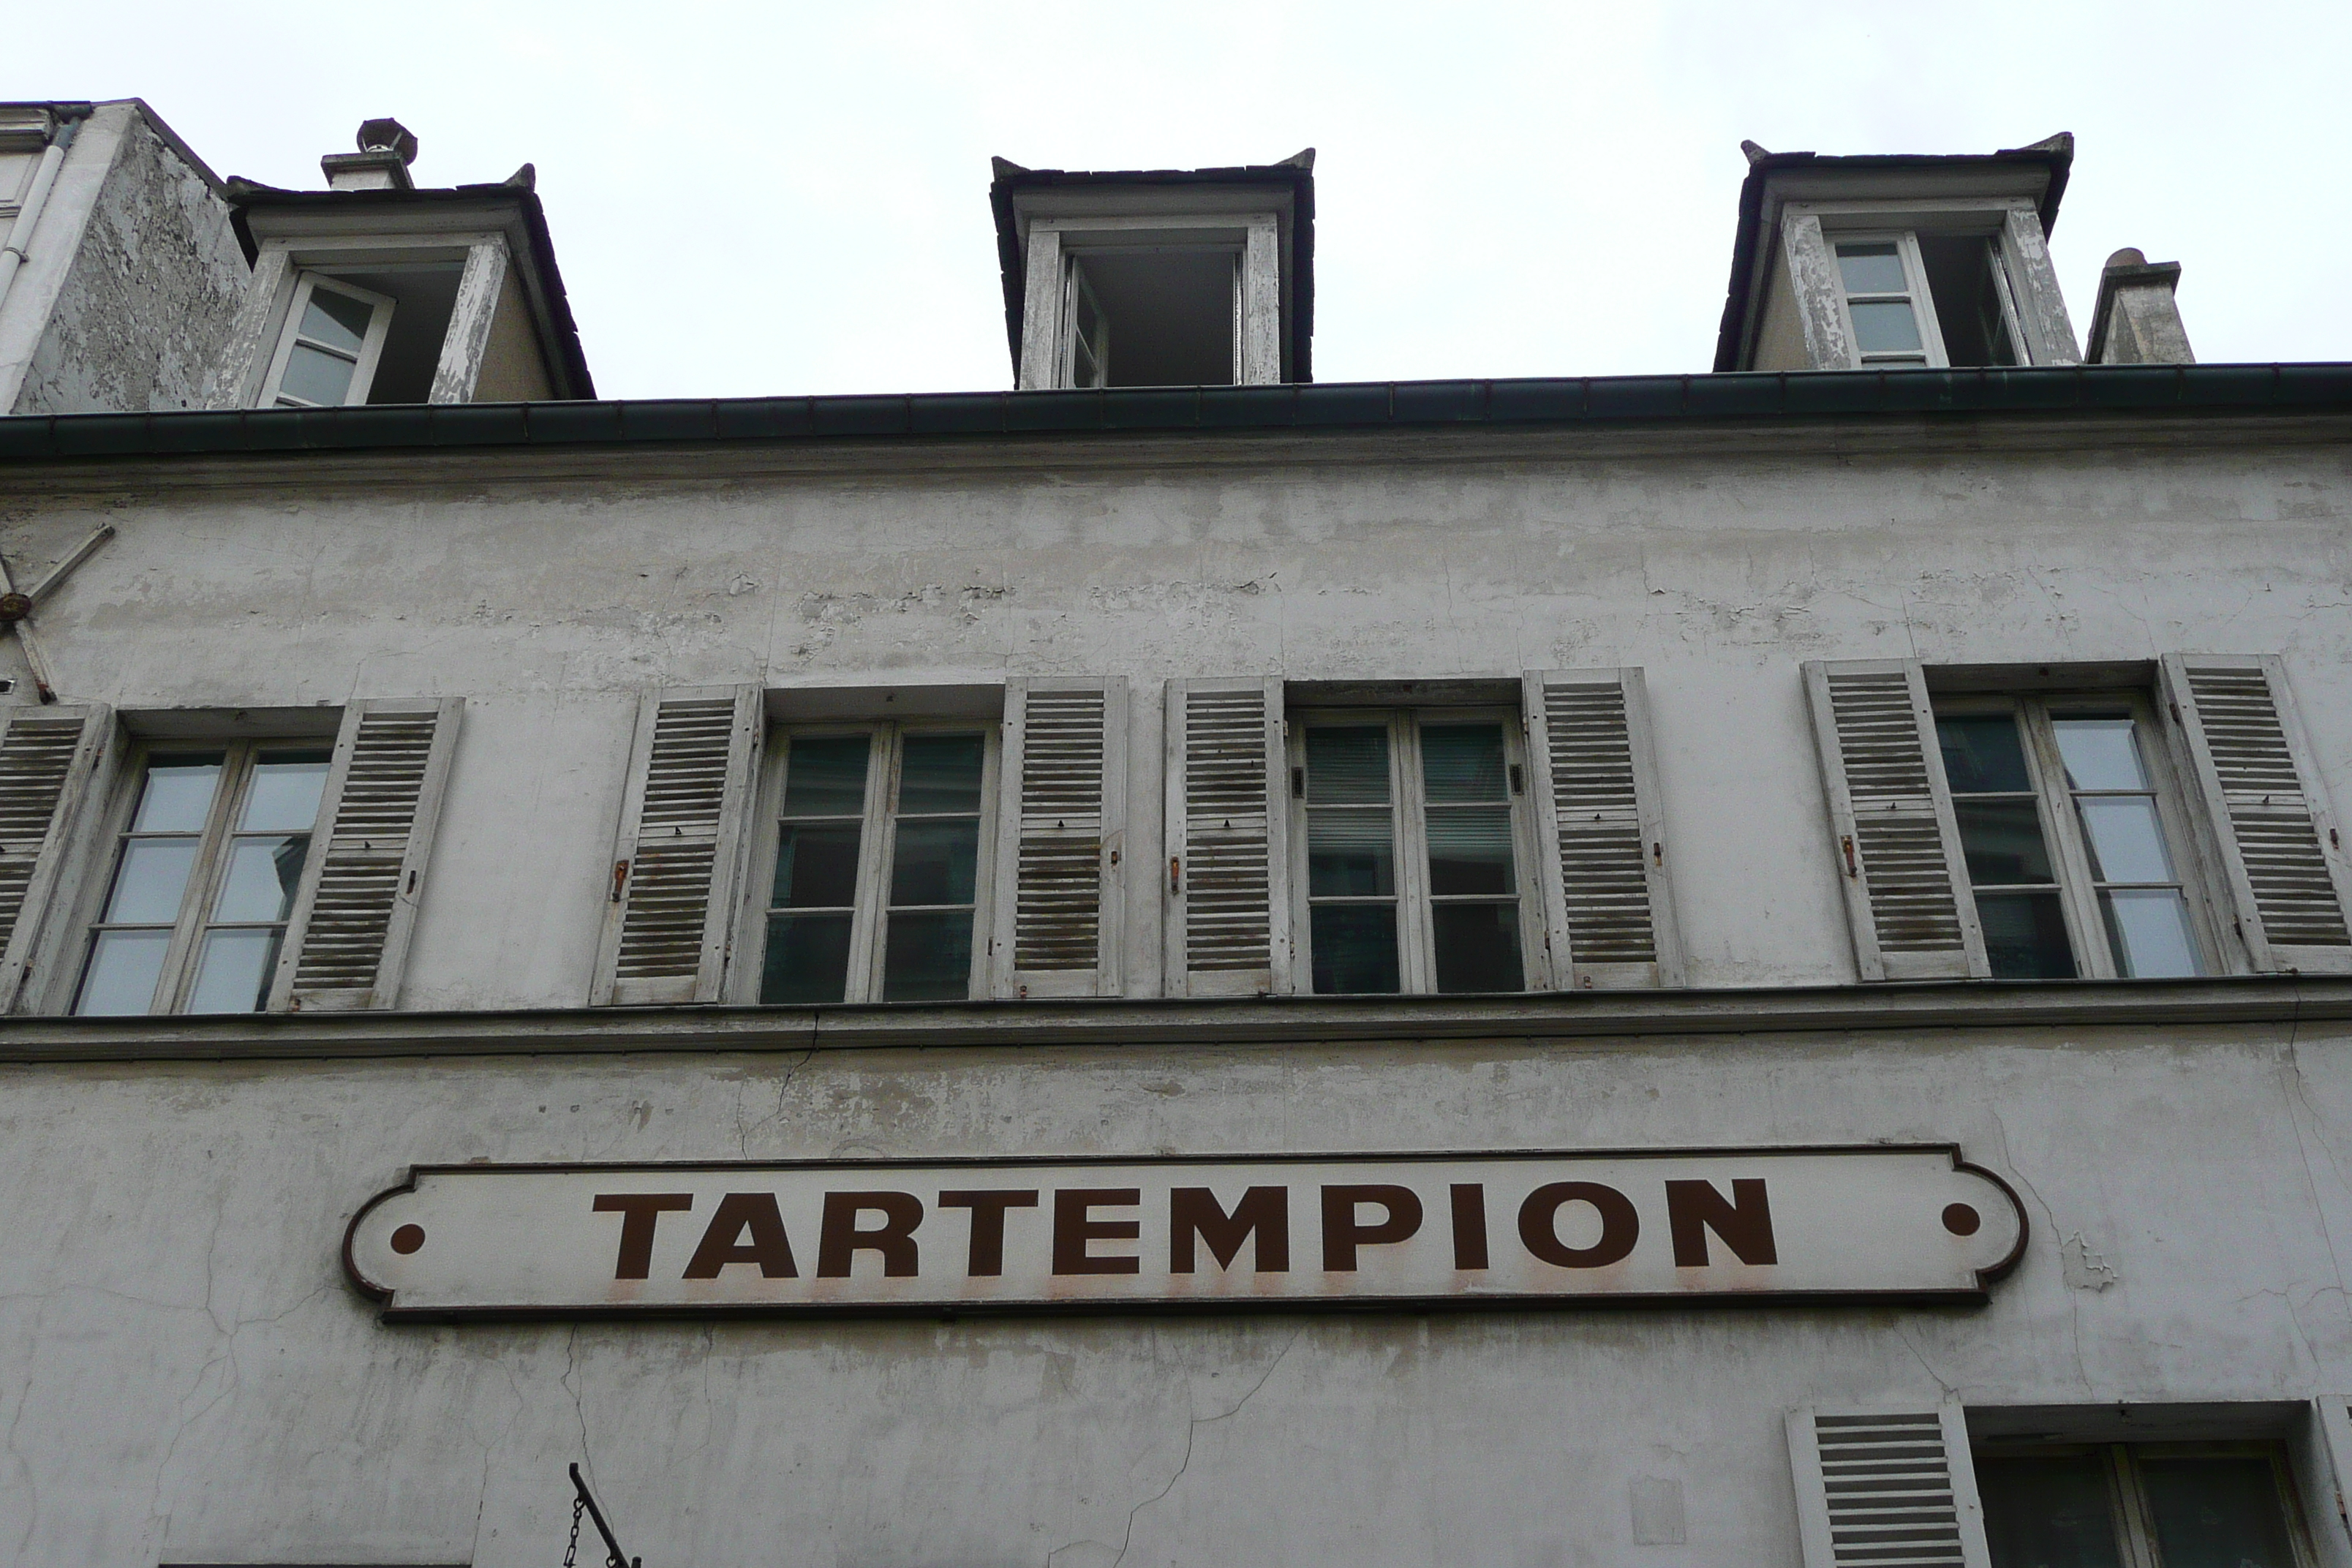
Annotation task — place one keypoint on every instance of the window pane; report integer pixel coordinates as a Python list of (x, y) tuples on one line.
[(825, 777), (1349, 853), (149, 883), (1470, 851), (2003, 841), (2025, 936), (816, 868), (2048, 1513), (2148, 929), (2099, 753), (807, 959), (928, 957), (1982, 754), (1871, 270), (336, 320), (1355, 948), (941, 773), (935, 863), (262, 876), (1348, 766), (1463, 762), (2216, 1513), (1477, 947), (315, 376), (2125, 840), (178, 794), (285, 793), (1884, 326), (123, 967), (236, 972)]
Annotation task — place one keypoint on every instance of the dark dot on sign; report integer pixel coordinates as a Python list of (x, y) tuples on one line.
[(1961, 1220), (409, 1238)]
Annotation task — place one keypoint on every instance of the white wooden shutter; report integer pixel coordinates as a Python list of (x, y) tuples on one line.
[(1610, 910), (2321, 1456), (670, 902), (1227, 877), (1887, 1489), (355, 908), (47, 757), (1060, 838), (2276, 839), (1897, 845)]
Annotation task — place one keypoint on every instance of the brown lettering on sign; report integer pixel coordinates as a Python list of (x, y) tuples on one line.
[(1540, 1225), (1744, 1221), (894, 1239), (1469, 1225), (639, 1212), (987, 1260), (1194, 1212), (1075, 1225), (725, 1241), (1342, 1235)]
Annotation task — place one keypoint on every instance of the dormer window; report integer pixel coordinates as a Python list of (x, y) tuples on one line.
[(1924, 299), (334, 340)]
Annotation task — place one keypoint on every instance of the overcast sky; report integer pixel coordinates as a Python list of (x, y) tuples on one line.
[(793, 198)]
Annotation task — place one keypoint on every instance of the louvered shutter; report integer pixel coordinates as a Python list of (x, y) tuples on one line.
[(1608, 907), (1887, 1489), (1897, 845), (47, 756), (1060, 838), (679, 860), (2267, 816), (355, 908), (2322, 1474), (1228, 870)]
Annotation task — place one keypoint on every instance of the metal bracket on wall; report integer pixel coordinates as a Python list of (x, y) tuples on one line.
[(17, 608)]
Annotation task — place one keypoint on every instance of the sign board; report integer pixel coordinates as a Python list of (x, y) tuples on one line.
[(1323, 1231)]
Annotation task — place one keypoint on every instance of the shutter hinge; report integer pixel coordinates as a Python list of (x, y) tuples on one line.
[(1518, 779), (620, 878), (1114, 856), (1657, 852), (412, 882), (2333, 842), (1846, 842), (1298, 784), (1176, 875), (2176, 712)]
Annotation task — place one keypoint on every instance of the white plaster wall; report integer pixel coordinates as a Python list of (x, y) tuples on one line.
[(548, 603), (185, 1377)]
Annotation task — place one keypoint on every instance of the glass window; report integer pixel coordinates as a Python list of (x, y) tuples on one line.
[(1878, 300), (2063, 833), (1413, 835), (2061, 826), (329, 353), (2184, 1506), (1929, 299), (205, 871), (875, 890)]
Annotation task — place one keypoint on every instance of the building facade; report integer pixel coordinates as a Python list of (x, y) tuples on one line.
[(1702, 970)]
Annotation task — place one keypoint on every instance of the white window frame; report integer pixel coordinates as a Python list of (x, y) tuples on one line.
[(876, 848), (370, 350), (1416, 957), (2127, 1488), (177, 976), (2062, 826), (1252, 238), (1920, 297)]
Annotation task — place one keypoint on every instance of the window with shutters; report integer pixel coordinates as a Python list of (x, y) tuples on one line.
[(875, 863), (2074, 847), (1413, 862), (2178, 1505), (206, 865)]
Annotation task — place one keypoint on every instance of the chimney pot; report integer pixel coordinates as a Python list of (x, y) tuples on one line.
[(388, 136)]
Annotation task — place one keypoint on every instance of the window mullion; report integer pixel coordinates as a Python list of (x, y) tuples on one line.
[(2133, 1530), (1418, 968), (2062, 826), (180, 959), (864, 978), (1536, 962)]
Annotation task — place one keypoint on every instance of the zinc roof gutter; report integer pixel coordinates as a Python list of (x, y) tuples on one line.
[(1296, 408)]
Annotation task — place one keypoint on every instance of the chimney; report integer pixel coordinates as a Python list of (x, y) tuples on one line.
[(386, 149), (2138, 320)]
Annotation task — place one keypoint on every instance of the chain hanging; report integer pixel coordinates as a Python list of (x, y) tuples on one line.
[(571, 1547)]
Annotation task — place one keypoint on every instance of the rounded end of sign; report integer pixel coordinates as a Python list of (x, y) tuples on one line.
[(360, 1282), (2007, 1266)]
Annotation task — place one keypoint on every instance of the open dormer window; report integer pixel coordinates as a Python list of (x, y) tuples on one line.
[(334, 342), (1176, 309), (1924, 298)]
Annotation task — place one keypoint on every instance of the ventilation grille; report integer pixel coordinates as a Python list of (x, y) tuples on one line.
[(669, 879), (1896, 838), (1057, 894), (1227, 923), (2277, 839), (359, 876), (1889, 1483), (36, 754), (1590, 747)]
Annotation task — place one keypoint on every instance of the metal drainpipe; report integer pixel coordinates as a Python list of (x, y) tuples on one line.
[(20, 234)]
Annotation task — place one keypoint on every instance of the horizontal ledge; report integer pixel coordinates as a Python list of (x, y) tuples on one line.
[(1121, 1023)]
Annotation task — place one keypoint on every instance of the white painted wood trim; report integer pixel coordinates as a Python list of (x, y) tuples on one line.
[(2323, 1466), (246, 358), (2041, 305), (1262, 305), (1821, 300), (1041, 312), (478, 288)]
